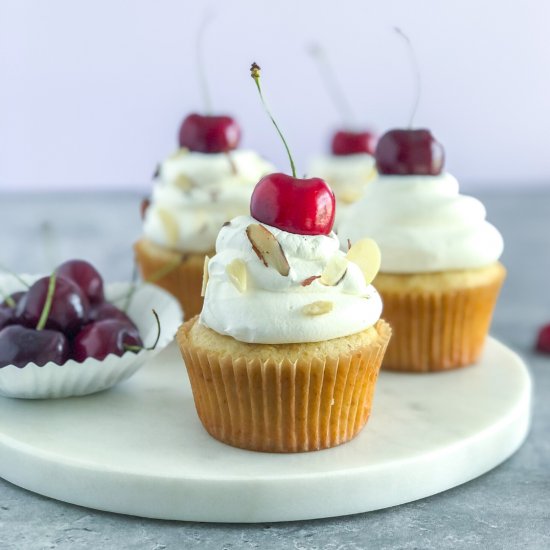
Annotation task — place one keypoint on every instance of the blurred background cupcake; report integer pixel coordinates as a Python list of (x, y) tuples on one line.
[(203, 184), (440, 275)]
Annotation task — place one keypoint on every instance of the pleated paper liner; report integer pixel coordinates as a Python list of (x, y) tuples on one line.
[(265, 405), (180, 274), (439, 329), (71, 379)]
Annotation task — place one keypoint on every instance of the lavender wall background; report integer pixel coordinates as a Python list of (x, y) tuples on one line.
[(92, 92)]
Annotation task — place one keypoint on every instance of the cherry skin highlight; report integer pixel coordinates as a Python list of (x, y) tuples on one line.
[(20, 346), (302, 206), (86, 276), (408, 153), (102, 338), (69, 309), (209, 134), (352, 143)]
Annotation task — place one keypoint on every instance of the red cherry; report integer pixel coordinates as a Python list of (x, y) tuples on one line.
[(302, 206), (351, 143), (69, 306), (6, 316), (20, 346), (106, 311), (86, 276), (409, 152), (102, 338), (209, 134), (543, 339)]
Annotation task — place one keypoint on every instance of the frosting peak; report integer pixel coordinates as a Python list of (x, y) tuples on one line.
[(422, 224), (195, 193), (279, 306)]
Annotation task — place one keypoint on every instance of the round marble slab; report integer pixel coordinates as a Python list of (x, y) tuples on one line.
[(140, 449)]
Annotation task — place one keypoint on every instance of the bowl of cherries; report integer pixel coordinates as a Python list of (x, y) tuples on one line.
[(68, 334)]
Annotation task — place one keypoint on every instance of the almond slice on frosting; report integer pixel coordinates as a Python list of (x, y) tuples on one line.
[(267, 248), (205, 276), (170, 226), (236, 271), (317, 308), (334, 271), (183, 182), (366, 254)]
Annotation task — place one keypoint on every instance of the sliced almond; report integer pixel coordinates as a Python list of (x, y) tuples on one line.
[(170, 226), (366, 254), (178, 153), (237, 273), (309, 280), (205, 275), (267, 248), (334, 271), (183, 182), (317, 308)]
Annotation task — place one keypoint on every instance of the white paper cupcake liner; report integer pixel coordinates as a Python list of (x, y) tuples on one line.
[(73, 379)]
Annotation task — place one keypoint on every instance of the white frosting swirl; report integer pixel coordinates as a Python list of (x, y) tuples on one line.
[(348, 175), (422, 224), (269, 311), (195, 193)]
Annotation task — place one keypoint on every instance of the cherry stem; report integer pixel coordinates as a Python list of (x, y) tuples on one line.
[(136, 349), (335, 90), (255, 73), (20, 279), (203, 81), (416, 73), (48, 303), (8, 299)]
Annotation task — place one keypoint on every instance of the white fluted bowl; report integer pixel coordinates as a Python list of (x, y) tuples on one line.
[(71, 379)]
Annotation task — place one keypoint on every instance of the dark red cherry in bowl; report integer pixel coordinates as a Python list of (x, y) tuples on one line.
[(102, 338), (302, 206), (352, 143), (69, 306), (106, 310), (408, 153), (86, 276), (209, 134), (20, 346), (15, 298)]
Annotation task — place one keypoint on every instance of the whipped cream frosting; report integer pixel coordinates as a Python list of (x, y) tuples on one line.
[(195, 193), (270, 310), (422, 224), (348, 175)]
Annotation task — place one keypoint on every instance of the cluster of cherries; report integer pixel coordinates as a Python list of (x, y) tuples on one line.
[(63, 317)]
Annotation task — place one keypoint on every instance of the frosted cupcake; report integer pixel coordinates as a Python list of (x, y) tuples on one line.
[(349, 167), (205, 183), (286, 352), (440, 275)]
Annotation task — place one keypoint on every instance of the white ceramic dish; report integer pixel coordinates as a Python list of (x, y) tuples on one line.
[(140, 448), (73, 379)]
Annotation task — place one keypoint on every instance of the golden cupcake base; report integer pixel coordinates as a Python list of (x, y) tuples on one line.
[(439, 320), (283, 398), (180, 274)]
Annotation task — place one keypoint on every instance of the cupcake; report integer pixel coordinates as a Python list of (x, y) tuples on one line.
[(440, 275), (202, 185), (349, 167)]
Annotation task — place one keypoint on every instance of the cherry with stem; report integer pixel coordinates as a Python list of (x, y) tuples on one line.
[(300, 206)]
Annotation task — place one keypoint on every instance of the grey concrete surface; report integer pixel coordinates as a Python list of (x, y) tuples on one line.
[(508, 508)]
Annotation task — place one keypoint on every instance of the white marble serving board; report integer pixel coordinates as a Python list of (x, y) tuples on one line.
[(140, 449)]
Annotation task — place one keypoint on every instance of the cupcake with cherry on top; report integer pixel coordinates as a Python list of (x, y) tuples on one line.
[(440, 275), (285, 354)]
